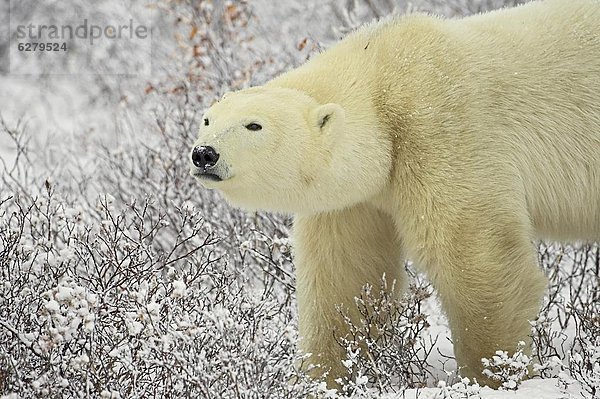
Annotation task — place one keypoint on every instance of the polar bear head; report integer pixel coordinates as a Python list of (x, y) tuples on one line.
[(278, 149)]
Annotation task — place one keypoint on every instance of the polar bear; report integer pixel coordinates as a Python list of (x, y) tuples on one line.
[(454, 143)]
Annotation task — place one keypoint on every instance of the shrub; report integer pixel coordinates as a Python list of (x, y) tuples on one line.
[(387, 349)]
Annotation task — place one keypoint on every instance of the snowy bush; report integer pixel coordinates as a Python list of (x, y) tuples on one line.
[(509, 371), (566, 333), (107, 303), (584, 362), (585, 367), (547, 355), (387, 349), (462, 389)]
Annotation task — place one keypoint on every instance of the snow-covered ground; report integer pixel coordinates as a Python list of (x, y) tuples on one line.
[(551, 388)]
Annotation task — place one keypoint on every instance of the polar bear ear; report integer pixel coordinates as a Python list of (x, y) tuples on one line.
[(326, 116)]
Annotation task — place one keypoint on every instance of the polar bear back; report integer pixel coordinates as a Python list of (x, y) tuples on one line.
[(545, 105), (510, 92)]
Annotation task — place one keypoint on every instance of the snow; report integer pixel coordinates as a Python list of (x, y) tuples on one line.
[(551, 388), (178, 288)]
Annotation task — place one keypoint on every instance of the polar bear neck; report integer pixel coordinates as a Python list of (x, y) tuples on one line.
[(358, 84), (328, 80)]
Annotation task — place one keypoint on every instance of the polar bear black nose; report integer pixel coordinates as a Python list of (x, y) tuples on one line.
[(204, 157)]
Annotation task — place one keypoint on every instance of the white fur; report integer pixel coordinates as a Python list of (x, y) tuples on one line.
[(457, 142)]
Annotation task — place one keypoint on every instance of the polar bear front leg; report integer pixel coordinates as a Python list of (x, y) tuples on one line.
[(336, 254)]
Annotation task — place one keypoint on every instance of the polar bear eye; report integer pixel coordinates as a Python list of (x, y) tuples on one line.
[(205, 121), (253, 126)]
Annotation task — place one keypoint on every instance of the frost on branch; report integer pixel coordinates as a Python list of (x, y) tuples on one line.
[(462, 389), (584, 363), (387, 348), (106, 299), (508, 370)]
